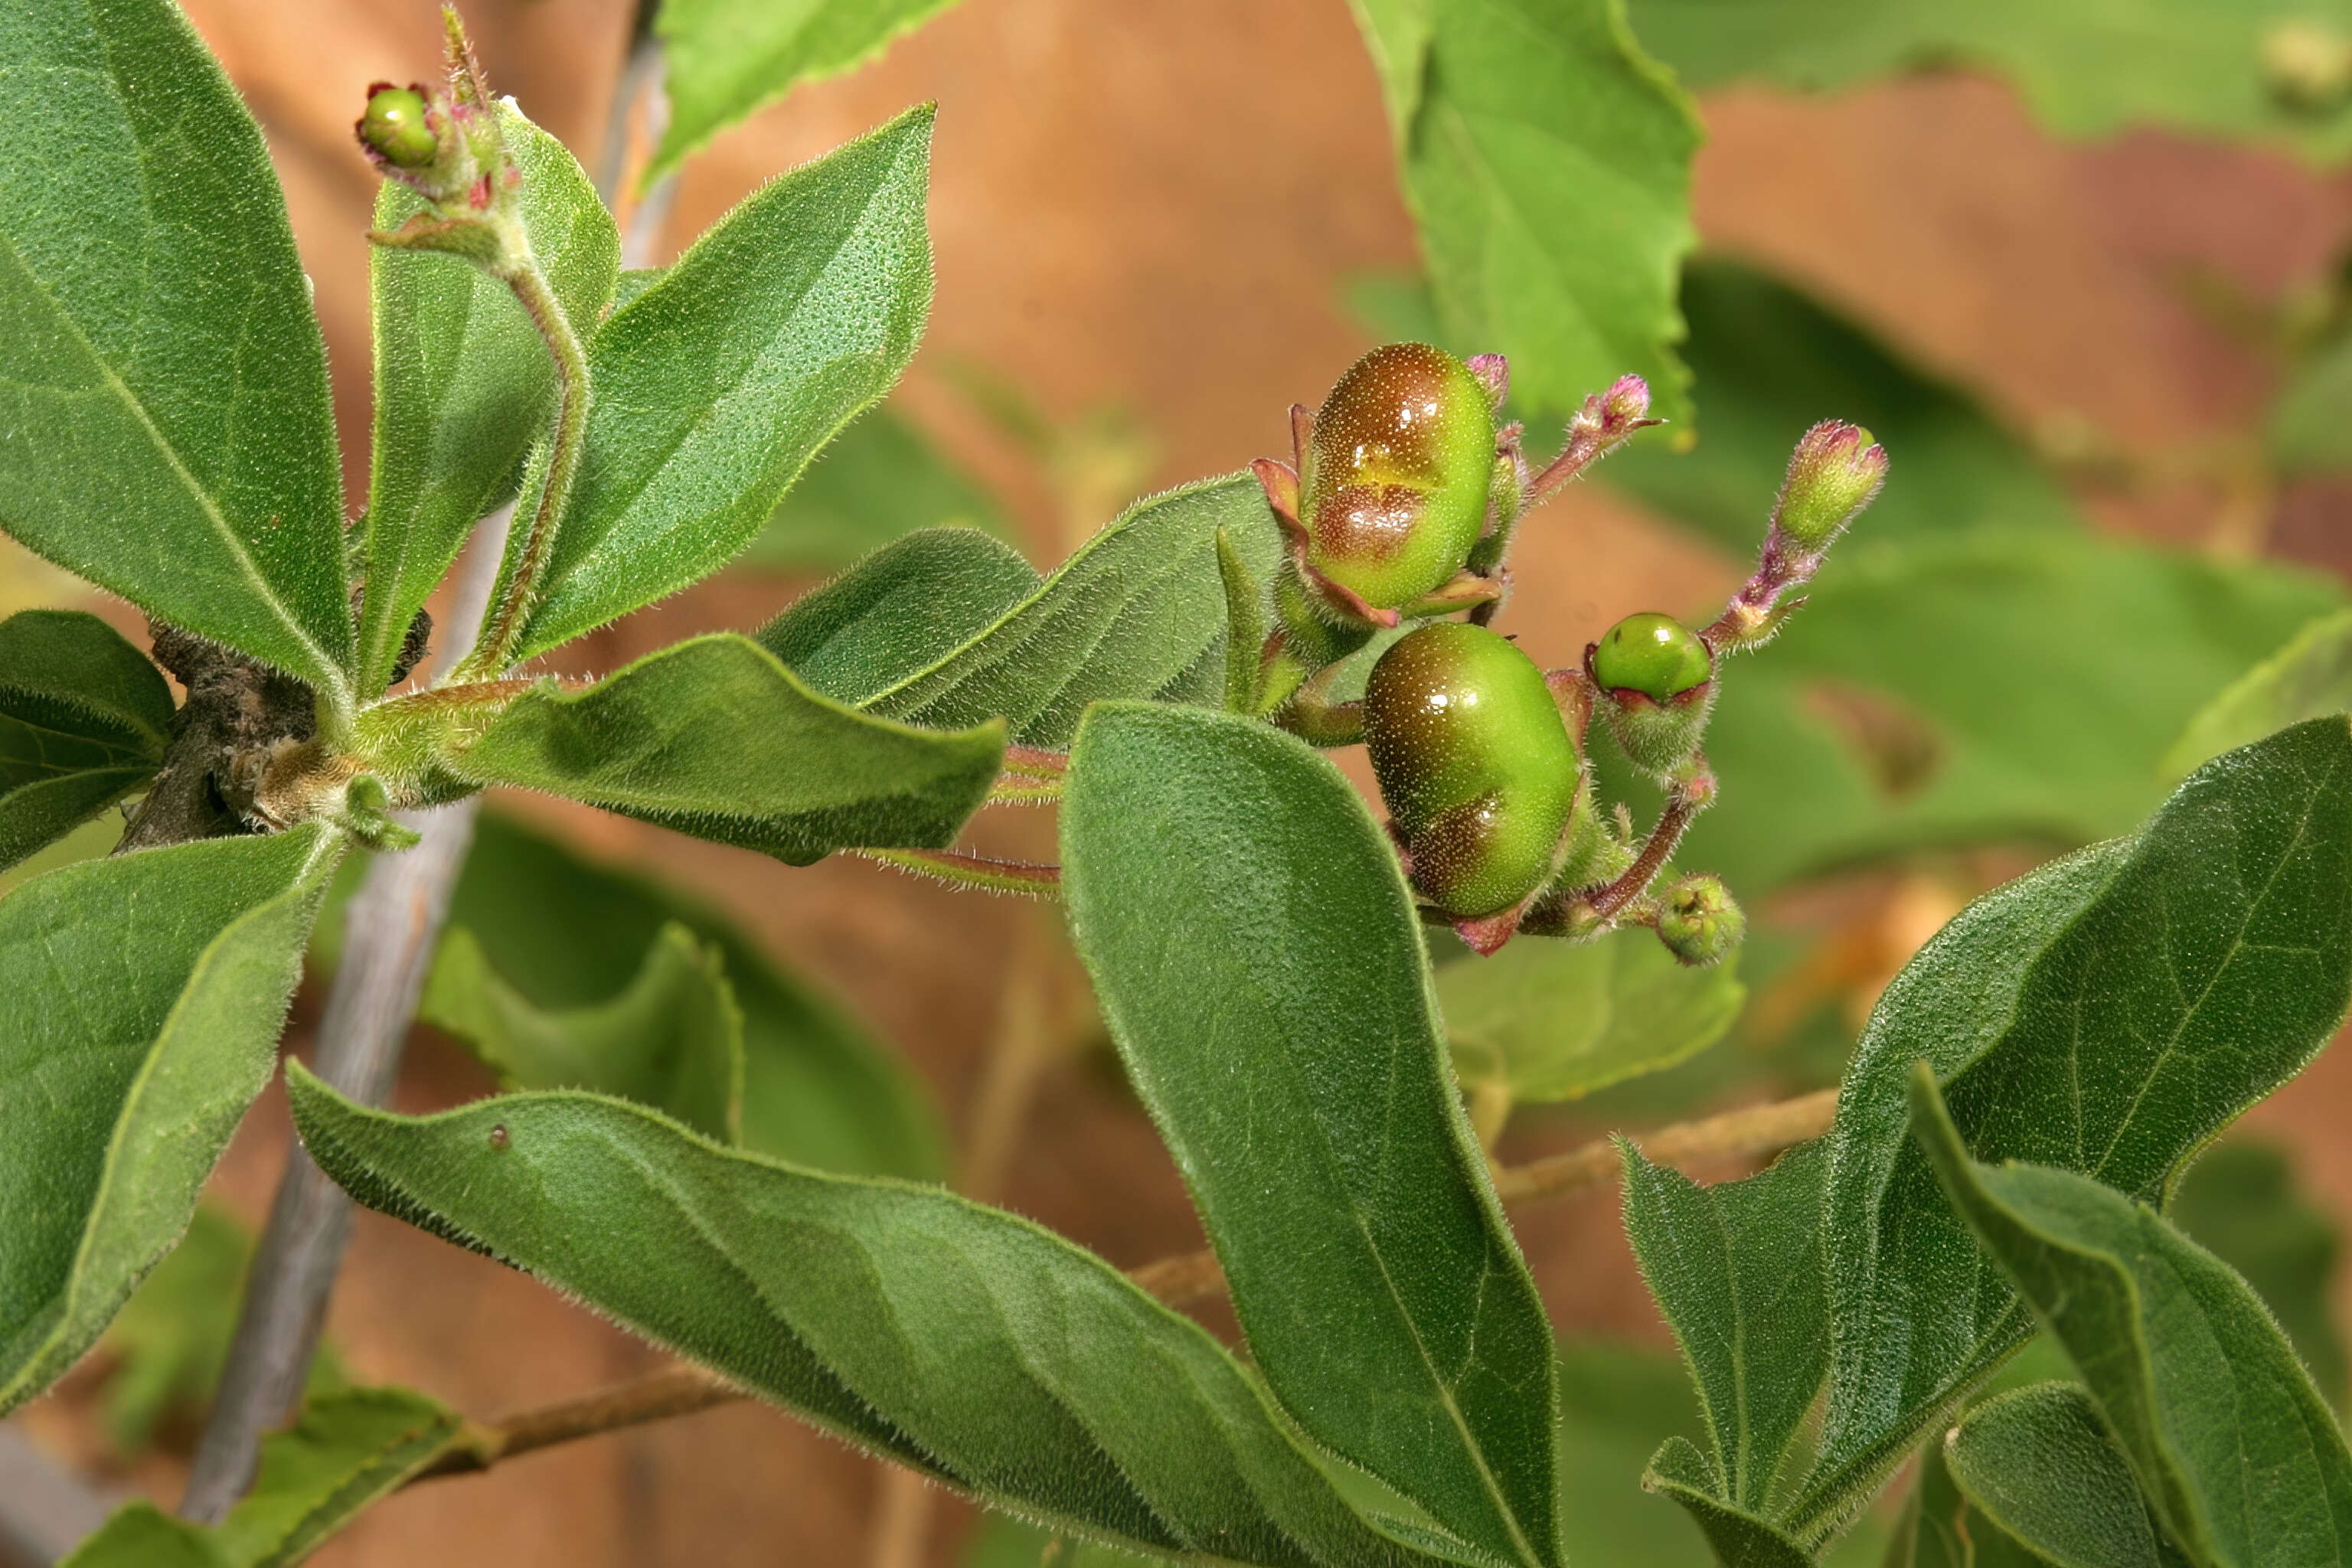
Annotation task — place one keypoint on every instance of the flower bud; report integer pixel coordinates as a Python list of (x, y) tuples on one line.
[(1657, 680), (1474, 763), (1834, 473), (395, 126), (1394, 492), (1699, 920)]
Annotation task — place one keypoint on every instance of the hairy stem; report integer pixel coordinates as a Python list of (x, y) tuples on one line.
[(968, 871)]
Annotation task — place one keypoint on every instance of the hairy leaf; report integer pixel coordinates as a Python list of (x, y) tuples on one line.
[(2083, 69), (1740, 1538), (2233, 1449), (965, 1341), (84, 721), (879, 480), (1865, 732), (2106, 1014), (1770, 361), (2307, 678), (716, 385), (348, 1451), (1139, 610), (1259, 963), (145, 994), (165, 429), (727, 59), (2036, 1462), (1737, 1268), (1548, 160), (713, 737), (672, 1039), (1552, 1021), (2240, 1202), (900, 610), (1940, 1528), (464, 383)]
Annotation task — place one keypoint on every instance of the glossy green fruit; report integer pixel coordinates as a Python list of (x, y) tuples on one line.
[(1394, 494), (1655, 654), (1474, 763), (395, 126)]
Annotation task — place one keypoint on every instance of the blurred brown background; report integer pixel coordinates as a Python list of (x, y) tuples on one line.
[(1152, 208)]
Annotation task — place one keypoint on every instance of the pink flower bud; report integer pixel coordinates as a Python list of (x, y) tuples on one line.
[(1832, 475)]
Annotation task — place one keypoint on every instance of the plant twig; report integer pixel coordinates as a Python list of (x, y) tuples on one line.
[(969, 870), (394, 922), (45, 1510), (683, 1390)]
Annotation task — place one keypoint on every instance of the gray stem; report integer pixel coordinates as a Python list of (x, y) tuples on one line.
[(392, 926), (45, 1509)]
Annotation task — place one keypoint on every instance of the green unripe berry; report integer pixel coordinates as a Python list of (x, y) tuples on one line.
[(1394, 492), (395, 126), (1655, 654), (1474, 763), (1699, 920)]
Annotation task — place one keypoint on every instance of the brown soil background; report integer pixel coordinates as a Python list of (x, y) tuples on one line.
[(1151, 207)]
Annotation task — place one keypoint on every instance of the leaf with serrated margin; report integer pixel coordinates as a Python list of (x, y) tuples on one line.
[(145, 994), (1547, 160), (2107, 1013), (881, 479), (164, 427), (464, 383), (714, 738), (85, 719), (727, 59), (2309, 678), (2239, 1458), (1260, 965), (1739, 1538), (961, 1341), (1552, 1020), (2036, 1462), (672, 1039), (1138, 611), (900, 610), (715, 387), (2240, 1201), (1737, 1268)]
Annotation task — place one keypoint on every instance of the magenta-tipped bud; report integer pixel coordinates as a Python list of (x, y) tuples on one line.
[(1494, 374), (1834, 472)]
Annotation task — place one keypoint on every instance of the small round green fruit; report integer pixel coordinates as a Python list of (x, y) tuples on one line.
[(1394, 494), (1655, 654), (395, 126), (1699, 920), (1474, 763)]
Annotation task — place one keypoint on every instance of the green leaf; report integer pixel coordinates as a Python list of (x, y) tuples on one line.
[(2085, 70), (715, 387), (727, 59), (1740, 1538), (1548, 163), (172, 1338), (900, 610), (2106, 1014), (1941, 1529), (1554, 1021), (85, 719), (963, 1342), (2240, 1202), (348, 1451), (2306, 433), (1247, 927), (1737, 1268), (147, 993), (565, 936), (879, 480), (713, 737), (2307, 678), (464, 383), (167, 432), (1139, 610), (2234, 1449), (1770, 361), (2037, 1463), (672, 1039), (1397, 34), (1865, 732)]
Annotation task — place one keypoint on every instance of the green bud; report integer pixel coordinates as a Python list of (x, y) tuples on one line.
[(1699, 920), (1832, 474), (1474, 763), (1394, 492), (1655, 654), (393, 127)]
